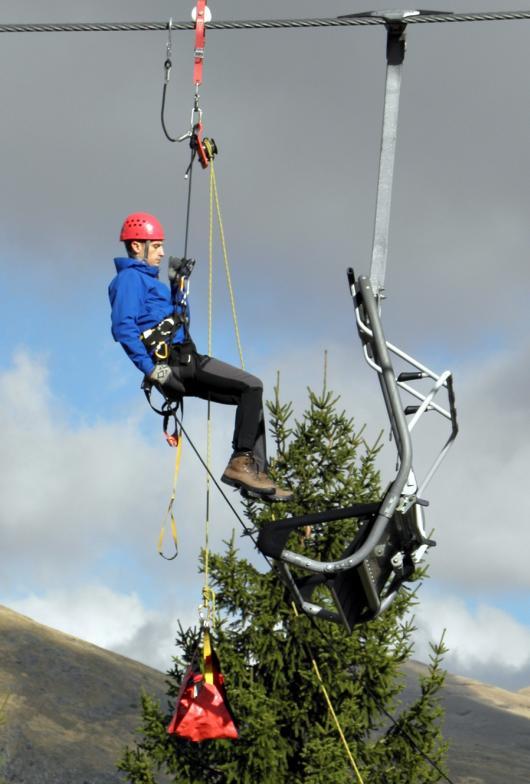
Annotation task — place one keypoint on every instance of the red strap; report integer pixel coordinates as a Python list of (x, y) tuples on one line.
[(200, 38)]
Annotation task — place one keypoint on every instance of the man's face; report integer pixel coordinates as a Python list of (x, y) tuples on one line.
[(155, 253)]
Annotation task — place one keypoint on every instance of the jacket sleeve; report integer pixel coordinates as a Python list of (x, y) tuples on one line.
[(126, 298)]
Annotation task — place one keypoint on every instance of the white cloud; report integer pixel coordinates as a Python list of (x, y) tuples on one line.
[(93, 613), (80, 499), (82, 504), (485, 643), (116, 621), (480, 505)]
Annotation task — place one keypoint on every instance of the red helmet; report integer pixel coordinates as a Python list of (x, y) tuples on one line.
[(141, 226)]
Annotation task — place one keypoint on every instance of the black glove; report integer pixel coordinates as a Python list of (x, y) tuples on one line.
[(179, 268), (165, 377)]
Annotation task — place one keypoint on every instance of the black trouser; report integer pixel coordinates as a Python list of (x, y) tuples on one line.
[(209, 378)]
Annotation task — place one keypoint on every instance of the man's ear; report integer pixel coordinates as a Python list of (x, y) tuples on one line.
[(136, 247)]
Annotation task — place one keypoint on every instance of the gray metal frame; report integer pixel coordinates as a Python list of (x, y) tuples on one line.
[(396, 25), (395, 497), (442, 380), (403, 493)]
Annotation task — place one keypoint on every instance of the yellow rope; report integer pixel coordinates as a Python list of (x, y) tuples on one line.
[(215, 194), (208, 596), (207, 593), (208, 605), (332, 713)]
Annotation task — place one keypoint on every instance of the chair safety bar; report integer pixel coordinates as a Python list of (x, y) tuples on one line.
[(364, 303), (394, 493), (273, 536)]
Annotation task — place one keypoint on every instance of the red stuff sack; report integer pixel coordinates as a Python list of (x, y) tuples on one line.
[(202, 711)]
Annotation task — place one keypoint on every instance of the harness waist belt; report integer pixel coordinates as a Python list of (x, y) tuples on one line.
[(157, 340)]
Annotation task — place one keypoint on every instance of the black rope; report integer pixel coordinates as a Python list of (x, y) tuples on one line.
[(162, 115), (247, 530), (312, 620), (383, 710), (262, 24), (409, 738), (189, 175)]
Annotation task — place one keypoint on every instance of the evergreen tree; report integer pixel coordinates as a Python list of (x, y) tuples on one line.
[(266, 649)]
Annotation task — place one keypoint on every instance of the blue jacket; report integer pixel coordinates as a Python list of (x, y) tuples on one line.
[(140, 301)]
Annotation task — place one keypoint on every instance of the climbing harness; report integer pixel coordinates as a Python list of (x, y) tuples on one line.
[(391, 539), (158, 339)]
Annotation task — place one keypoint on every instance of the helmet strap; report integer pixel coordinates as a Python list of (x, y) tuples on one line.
[(146, 250)]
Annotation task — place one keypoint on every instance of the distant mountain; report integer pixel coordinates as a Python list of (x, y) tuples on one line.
[(488, 728), (73, 707)]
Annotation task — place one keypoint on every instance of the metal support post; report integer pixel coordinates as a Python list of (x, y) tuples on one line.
[(396, 26)]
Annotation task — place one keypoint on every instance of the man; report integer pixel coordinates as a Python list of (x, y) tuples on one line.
[(152, 324)]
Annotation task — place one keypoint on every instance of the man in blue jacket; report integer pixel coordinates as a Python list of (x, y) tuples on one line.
[(152, 324)]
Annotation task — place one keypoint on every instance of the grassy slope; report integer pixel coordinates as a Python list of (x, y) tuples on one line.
[(73, 706)]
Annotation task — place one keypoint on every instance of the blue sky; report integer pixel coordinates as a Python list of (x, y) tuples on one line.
[(85, 473)]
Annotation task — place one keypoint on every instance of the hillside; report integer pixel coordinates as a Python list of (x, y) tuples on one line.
[(73, 706), (488, 728)]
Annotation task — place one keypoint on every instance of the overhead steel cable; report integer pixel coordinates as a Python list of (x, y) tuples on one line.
[(261, 24)]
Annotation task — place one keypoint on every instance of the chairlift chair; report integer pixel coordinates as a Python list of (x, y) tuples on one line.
[(391, 538)]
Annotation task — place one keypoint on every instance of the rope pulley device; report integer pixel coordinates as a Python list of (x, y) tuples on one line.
[(201, 15)]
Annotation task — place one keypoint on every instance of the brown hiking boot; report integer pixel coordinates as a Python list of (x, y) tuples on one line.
[(279, 495), (242, 471)]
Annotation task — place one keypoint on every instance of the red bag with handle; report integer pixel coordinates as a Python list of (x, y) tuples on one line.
[(202, 711)]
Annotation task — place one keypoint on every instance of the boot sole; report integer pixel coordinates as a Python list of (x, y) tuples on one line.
[(246, 488), (271, 499)]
